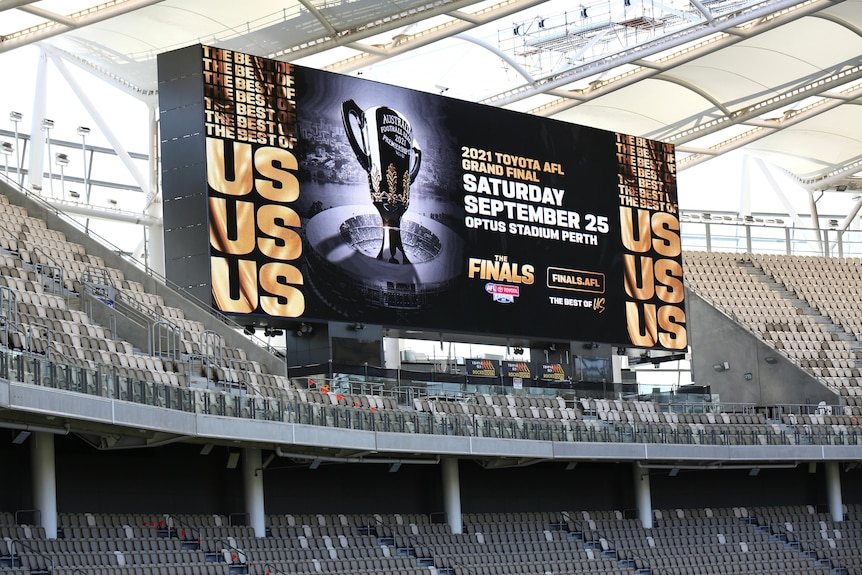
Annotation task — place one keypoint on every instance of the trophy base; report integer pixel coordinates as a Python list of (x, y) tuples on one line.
[(345, 271)]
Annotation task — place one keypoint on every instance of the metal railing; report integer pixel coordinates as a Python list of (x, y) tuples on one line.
[(109, 382)]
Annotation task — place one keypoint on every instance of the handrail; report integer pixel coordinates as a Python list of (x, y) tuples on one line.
[(193, 531), (51, 262), (238, 556), (206, 307), (35, 551), (284, 406)]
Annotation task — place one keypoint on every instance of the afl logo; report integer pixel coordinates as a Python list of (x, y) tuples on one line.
[(502, 293)]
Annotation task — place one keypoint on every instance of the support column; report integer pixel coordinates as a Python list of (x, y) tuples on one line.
[(44, 480), (37, 134), (252, 478), (452, 494), (642, 495), (833, 490)]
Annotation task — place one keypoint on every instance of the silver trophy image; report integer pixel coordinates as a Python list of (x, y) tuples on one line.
[(382, 140)]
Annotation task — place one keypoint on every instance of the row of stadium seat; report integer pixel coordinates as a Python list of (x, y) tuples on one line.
[(721, 540)]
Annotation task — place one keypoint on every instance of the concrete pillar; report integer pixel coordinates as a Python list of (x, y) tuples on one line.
[(252, 476), (642, 495), (833, 489), (452, 494), (44, 480)]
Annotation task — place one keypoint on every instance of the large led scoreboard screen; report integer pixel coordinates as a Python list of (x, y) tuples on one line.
[(294, 194)]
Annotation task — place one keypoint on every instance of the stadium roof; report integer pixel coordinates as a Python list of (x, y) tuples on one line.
[(781, 79)]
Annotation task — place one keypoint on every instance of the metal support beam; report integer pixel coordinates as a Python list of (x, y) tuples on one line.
[(103, 125), (312, 9), (703, 10), (414, 41), (37, 143), (18, 39), (499, 53), (663, 44), (48, 15)]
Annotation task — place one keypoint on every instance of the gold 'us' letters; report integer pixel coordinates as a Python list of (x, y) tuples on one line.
[(649, 274), (252, 231)]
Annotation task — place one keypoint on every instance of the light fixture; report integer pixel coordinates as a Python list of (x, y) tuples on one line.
[(571, 465), (358, 326), (747, 376), (724, 366), (314, 464), (232, 459), (112, 202), (518, 350), (46, 126), (304, 329), (272, 332), (673, 472), (62, 160), (248, 330), (395, 467), (772, 360), (74, 194), (16, 117), (21, 437), (754, 471), (205, 450), (84, 131), (6, 149)]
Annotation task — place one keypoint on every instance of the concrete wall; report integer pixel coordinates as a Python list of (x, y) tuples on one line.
[(716, 339)]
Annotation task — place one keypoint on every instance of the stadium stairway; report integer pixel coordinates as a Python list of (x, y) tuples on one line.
[(809, 354)]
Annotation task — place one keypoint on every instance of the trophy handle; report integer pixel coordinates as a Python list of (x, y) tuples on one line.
[(348, 109), (417, 154)]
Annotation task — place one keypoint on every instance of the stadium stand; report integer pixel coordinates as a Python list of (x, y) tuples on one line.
[(45, 323), (787, 539), (141, 434), (783, 301)]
